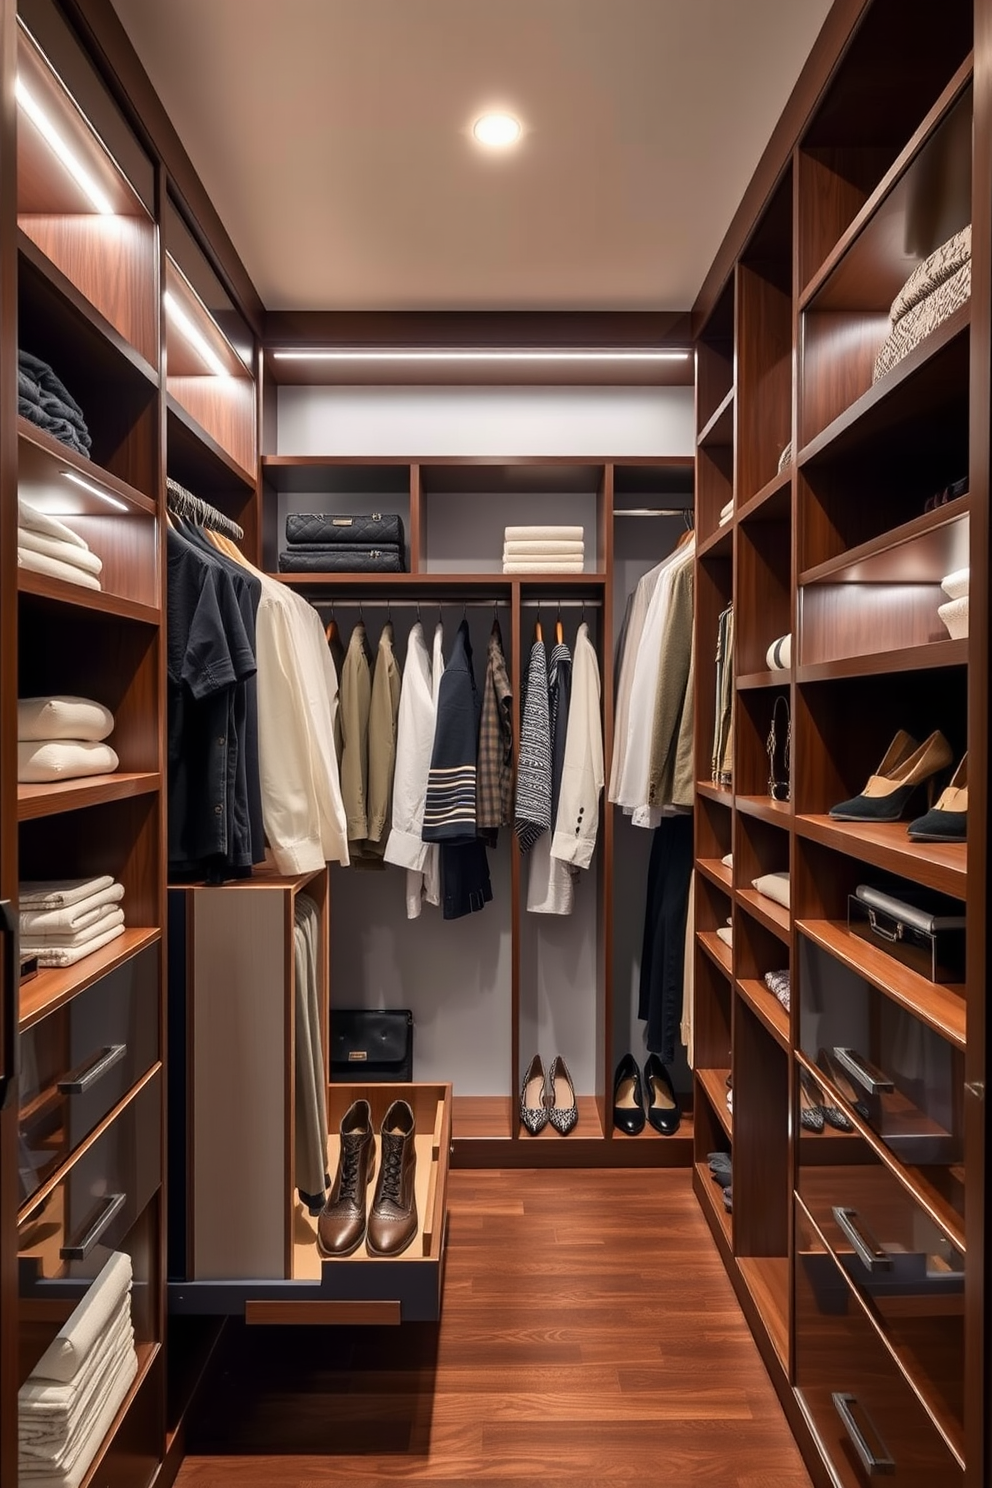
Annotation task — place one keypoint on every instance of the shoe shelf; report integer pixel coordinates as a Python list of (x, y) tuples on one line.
[(921, 550), (483, 1118), (710, 1196), (717, 950), (714, 1084), (774, 917), (717, 872), (767, 1008), (53, 987), (935, 865)]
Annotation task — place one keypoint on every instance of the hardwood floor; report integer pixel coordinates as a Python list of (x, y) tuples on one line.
[(590, 1335)]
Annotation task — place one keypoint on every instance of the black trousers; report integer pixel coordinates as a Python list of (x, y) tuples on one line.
[(465, 885), (663, 950)]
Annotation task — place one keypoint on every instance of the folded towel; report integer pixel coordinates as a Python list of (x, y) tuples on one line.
[(774, 886), (785, 457), (91, 1433), (728, 860), (725, 934), (40, 922), (38, 521), (62, 956), (63, 552), (727, 511), (55, 569), (45, 1405), (63, 717), (109, 916), (940, 265), (543, 534), (88, 1322), (58, 893), (954, 615), (955, 585), (545, 547), (550, 565), (67, 759)]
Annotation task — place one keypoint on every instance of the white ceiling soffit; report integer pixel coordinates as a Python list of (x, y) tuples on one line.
[(334, 137)]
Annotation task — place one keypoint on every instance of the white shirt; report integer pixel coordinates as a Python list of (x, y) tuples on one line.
[(635, 629), (577, 823), (414, 743)]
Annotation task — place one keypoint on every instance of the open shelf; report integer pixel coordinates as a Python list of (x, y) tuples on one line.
[(715, 792), (719, 429), (61, 592), (41, 458), (920, 551), (720, 543), (772, 503), (767, 1279), (483, 1117), (766, 1008), (936, 865), (751, 680), (764, 808), (940, 1005), (714, 1084), (716, 872), (53, 987), (427, 583), (712, 1196), (34, 801), (717, 950), (774, 916), (184, 429), (933, 656)]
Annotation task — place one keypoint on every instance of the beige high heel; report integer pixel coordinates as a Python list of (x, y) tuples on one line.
[(905, 766)]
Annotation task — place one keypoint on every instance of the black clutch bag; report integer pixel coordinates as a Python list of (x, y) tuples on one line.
[(778, 747), (348, 558), (367, 529), (371, 1044)]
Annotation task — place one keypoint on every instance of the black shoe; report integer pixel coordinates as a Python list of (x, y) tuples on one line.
[(948, 820), (663, 1106), (628, 1097), (906, 765)]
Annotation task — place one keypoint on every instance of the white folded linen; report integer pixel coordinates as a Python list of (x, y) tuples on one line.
[(42, 922), (62, 956), (725, 934), (543, 534), (110, 916), (774, 886), (63, 717), (727, 511), (55, 569), (48, 1408), (954, 615), (38, 521), (58, 893), (70, 1347), (550, 565), (546, 547), (90, 1435), (64, 759), (65, 552), (728, 860), (955, 585)]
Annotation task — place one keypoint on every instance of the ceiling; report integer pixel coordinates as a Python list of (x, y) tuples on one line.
[(334, 138)]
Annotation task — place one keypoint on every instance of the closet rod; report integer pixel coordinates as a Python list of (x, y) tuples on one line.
[(435, 603), (183, 503), (651, 511)]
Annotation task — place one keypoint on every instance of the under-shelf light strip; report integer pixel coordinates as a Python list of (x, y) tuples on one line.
[(63, 151), (358, 354), (185, 326), (77, 480)]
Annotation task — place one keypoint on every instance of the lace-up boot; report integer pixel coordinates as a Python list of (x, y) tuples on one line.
[(341, 1226), (393, 1216)]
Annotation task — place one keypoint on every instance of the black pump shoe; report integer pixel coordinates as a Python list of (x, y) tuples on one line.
[(628, 1097), (663, 1106), (906, 765)]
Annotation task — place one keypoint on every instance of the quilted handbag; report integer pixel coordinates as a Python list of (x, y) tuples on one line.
[(371, 1044), (349, 558), (367, 529)]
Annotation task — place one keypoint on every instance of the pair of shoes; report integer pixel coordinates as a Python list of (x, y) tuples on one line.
[(835, 1072), (550, 1097), (906, 765), (950, 493), (392, 1218), (628, 1097)]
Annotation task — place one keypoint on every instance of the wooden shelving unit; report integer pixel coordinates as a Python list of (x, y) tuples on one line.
[(837, 549)]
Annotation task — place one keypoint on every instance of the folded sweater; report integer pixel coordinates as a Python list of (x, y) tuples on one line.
[(543, 534), (38, 521), (64, 552), (41, 761), (63, 717), (44, 922), (57, 893), (63, 955), (56, 568), (547, 565), (108, 917)]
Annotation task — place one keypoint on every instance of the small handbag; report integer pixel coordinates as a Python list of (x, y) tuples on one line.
[(367, 529), (779, 749), (371, 1044)]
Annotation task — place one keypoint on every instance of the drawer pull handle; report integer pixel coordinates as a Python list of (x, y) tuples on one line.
[(85, 1077), (113, 1204), (868, 1075), (871, 1255), (875, 1464), (9, 996)]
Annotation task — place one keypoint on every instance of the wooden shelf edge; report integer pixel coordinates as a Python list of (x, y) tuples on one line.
[(720, 538), (832, 570), (779, 678), (425, 582), (889, 386), (54, 986), (768, 1296), (147, 1354), (941, 866), (941, 1006), (712, 433), (766, 1008), (717, 873), (710, 1197), (717, 950), (216, 451), (889, 181), (774, 917), (931, 656), (34, 801), (779, 482), (97, 602), (47, 443), (714, 1086), (715, 792), (779, 813)]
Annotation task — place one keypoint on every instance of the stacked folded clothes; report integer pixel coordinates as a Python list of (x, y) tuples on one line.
[(68, 1402), (543, 550), (954, 614), (934, 290), (46, 401), (726, 512), (63, 738), (364, 543), (48, 546), (64, 920)]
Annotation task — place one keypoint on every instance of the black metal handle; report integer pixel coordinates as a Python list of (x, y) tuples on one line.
[(876, 1464), (112, 1206), (9, 925), (82, 1079), (871, 1255), (868, 1075)]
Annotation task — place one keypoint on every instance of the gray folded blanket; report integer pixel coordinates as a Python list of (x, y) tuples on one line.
[(43, 398)]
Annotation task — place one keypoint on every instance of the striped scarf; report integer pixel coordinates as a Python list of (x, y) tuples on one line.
[(533, 813)]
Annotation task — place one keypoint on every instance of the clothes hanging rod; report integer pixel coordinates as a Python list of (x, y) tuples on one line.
[(435, 603), (651, 511)]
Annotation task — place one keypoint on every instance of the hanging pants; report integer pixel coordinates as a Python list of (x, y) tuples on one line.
[(663, 951)]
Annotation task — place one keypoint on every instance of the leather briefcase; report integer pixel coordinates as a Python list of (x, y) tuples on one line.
[(368, 529), (371, 1044), (348, 558)]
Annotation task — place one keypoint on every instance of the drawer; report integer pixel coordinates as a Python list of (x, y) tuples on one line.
[(869, 1421), (77, 1063), (902, 1079)]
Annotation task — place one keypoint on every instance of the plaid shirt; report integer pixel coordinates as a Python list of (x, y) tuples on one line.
[(494, 781)]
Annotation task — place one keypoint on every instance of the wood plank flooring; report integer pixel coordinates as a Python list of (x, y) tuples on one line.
[(590, 1336)]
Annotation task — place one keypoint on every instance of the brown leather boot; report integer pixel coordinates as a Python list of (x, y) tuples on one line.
[(341, 1226), (393, 1216)]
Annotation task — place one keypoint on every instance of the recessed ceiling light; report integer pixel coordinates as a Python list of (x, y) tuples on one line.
[(498, 131)]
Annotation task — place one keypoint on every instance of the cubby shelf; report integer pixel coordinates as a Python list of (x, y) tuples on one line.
[(936, 865), (774, 917), (715, 792), (939, 1005), (937, 655), (919, 551), (714, 1084), (55, 986), (772, 503), (61, 592), (719, 429), (183, 428), (34, 801), (147, 1354), (766, 1008), (751, 680), (41, 456), (717, 950), (711, 1194), (716, 872), (767, 1279), (720, 543), (779, 813)]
